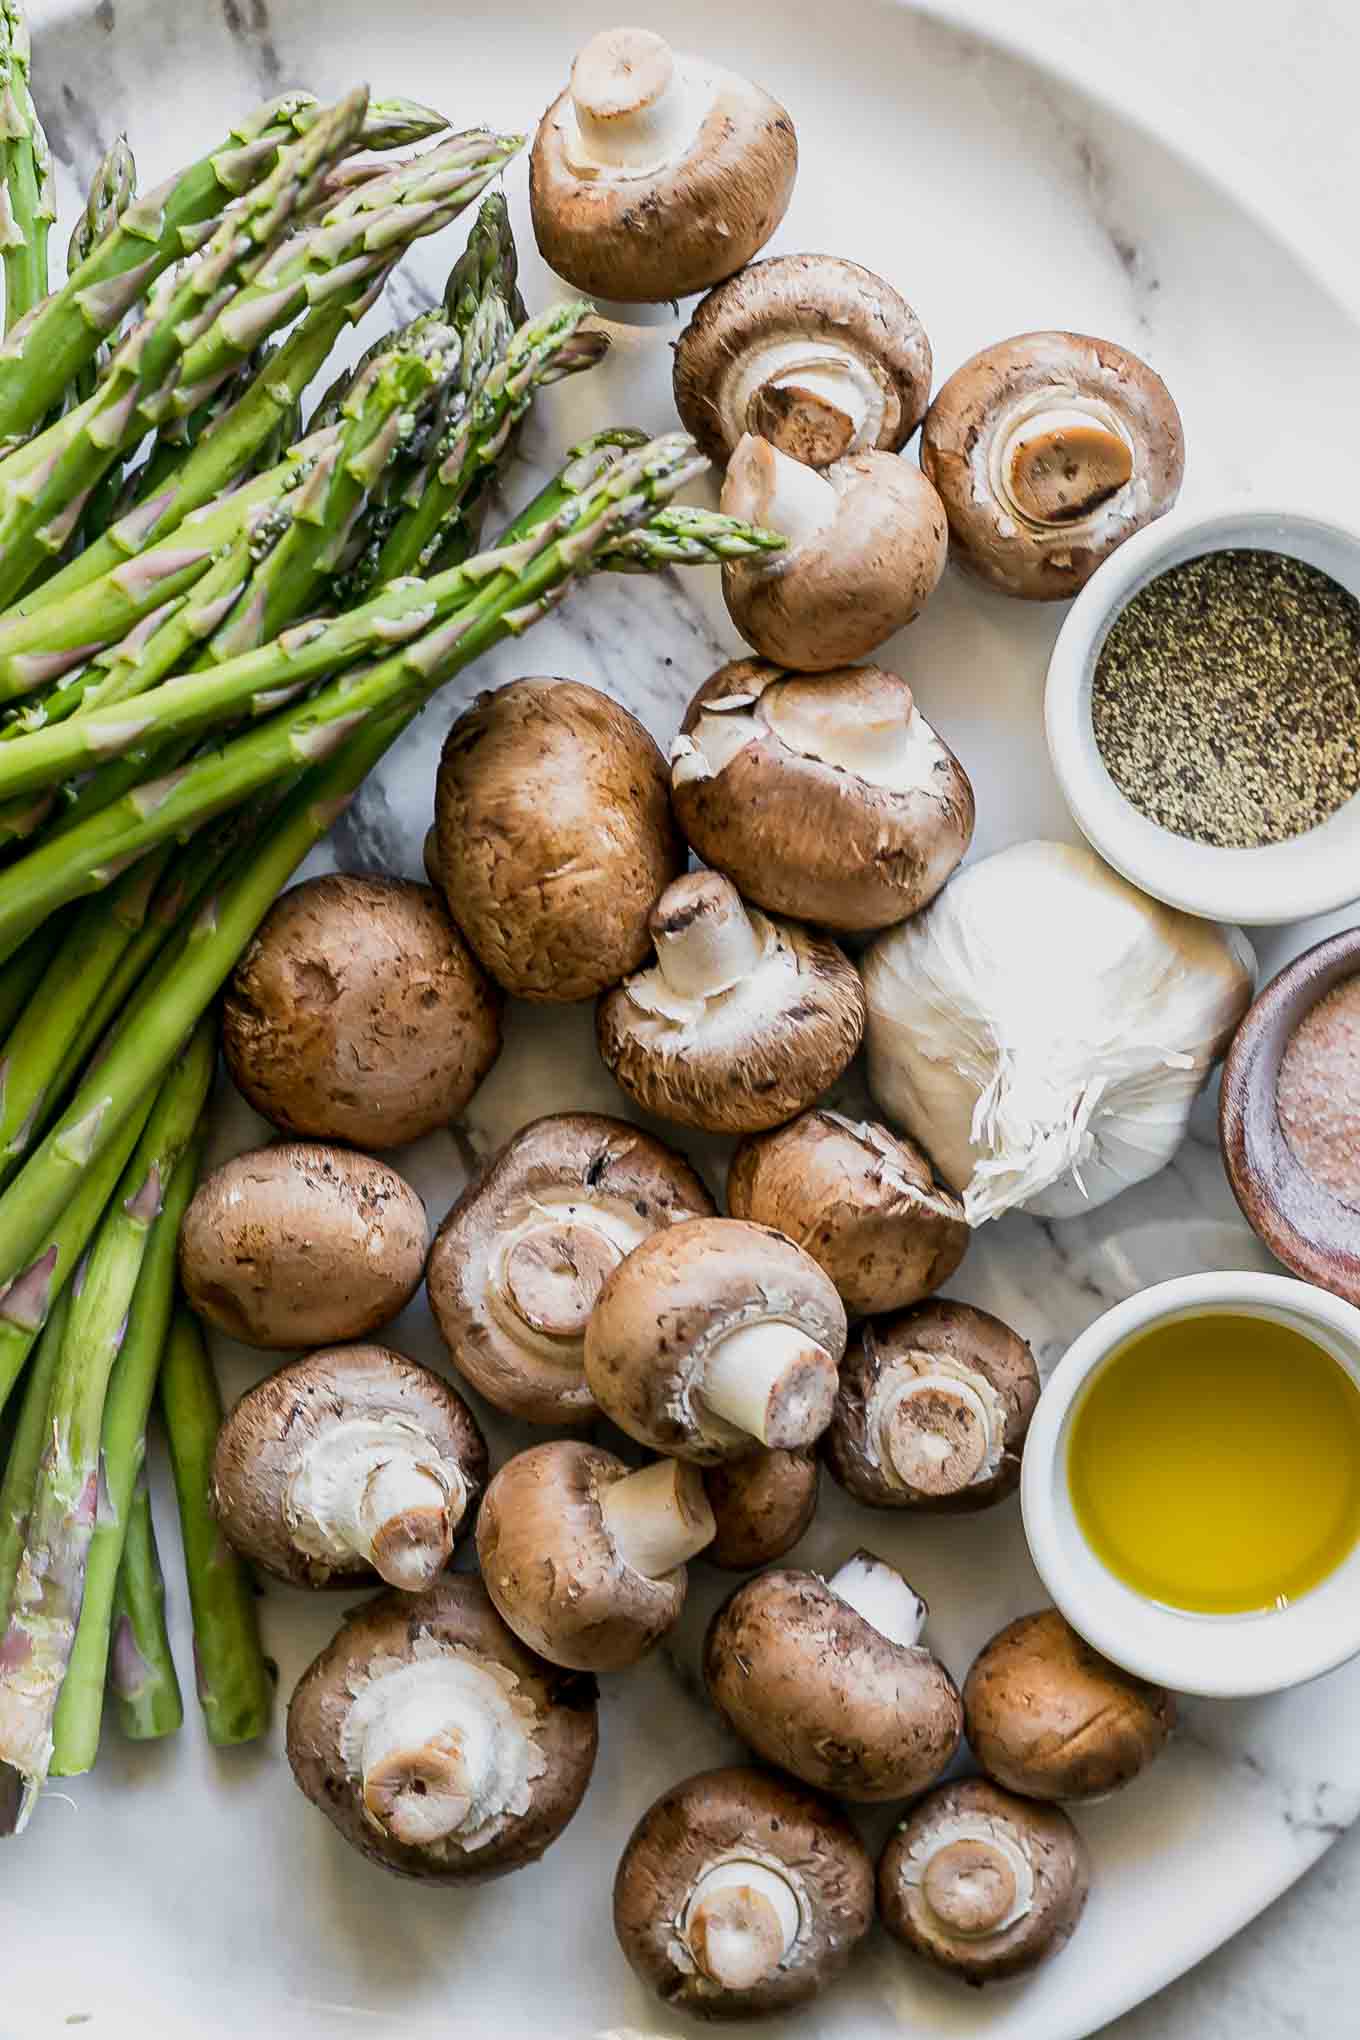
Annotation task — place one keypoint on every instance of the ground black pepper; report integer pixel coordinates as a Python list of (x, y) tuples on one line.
[(1226, 698)]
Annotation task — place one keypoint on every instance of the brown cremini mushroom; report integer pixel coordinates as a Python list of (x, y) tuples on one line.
[(862, 1201), (1049, 450), (347, 1463), (866, 543), (829, 1680), (741, 1893), (740, 1022), (828, 798), (586, 1560), (302, 1245), (554, 836), (981, 1883), (1050, 1718), (436, 1743), (762, 1503), (519, 1262), (811, 352), (933, 1409), (358, 1014), (656, 173), (714, 1337)]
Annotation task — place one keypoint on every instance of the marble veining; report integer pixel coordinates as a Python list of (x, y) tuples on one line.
[(997, 200)]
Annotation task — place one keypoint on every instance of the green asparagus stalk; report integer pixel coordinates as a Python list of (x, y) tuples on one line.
[(26, 1301), (47, 351), (44, 486), (523, 584), (142, 1682), (122, 1454), (21, 976), (37, 1645), (235, 1691), (112, 190), (26, 205), (26, 1449)]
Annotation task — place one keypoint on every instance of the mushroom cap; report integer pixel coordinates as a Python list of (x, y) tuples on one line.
[(762, 1504), (358, 1014), (812, 1686), (397, 1629), (916, 1341), (302, 1245), (829, 798), (585, 1158), (665, 1308), (961, 442), (741, 1814), (862, 1201), (841, 593), (980, 1815), (767, 311), (647, 239), (554, 836), (552, 1569), (749, 1057), (263, 1438), (1050, 1718)]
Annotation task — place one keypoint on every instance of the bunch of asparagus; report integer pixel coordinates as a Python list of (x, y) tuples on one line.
[(212, 626)]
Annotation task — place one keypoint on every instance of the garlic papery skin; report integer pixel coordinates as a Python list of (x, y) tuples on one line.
[(740, 1920), (658, 1518), (844, 382), (1043, 1028), (375, 1488), (968, 1905), (915, 1452), (635, 106), (552, 1257), (1045, 414), (443, 1748), (766, 487), (768, 1381), (881, 1595)]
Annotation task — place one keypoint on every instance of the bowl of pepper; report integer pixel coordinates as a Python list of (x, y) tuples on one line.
[(1289, 1115), (1203, 713)]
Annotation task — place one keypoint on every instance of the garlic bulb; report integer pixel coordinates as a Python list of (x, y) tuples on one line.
[(1043, 1028)]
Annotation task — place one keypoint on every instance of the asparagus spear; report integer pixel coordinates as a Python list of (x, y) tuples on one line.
[(37, 1645), (25, 1450), (24, 972), (26, 206), (44, 486), (186, 976), (47, 351), (234, 1687), (141, 1679), (112, 190), (122, 1454)]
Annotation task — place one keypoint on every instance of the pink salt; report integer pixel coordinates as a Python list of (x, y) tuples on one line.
[(1318, 1091)]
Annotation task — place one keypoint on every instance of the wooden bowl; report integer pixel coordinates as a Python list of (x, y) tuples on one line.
[(1305, 1225)]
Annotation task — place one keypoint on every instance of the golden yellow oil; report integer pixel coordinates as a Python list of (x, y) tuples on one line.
[(1214, 1463)]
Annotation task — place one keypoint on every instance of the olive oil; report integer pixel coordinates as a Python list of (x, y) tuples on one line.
[(1214, 1463)]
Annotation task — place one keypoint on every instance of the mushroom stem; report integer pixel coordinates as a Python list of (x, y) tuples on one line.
[(1059, 458), (741, 1920), (659, 1517), (706, 942), (764, 486), (773, 1382), (372, 1487), (972, 1884), (440, 1748), (810, 398), (554, 1273), (937, 1433), (879, 1593), (637, 109)]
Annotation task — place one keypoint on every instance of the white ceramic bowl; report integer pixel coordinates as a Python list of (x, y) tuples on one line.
[(1309, 874), (1221, 1656)]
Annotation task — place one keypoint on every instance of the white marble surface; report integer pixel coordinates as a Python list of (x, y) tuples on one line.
[(996, 202)]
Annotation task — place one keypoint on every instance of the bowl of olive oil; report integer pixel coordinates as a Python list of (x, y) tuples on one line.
[(1191, 1483)]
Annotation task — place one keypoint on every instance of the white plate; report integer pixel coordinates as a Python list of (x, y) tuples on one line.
[(184, 1891)]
